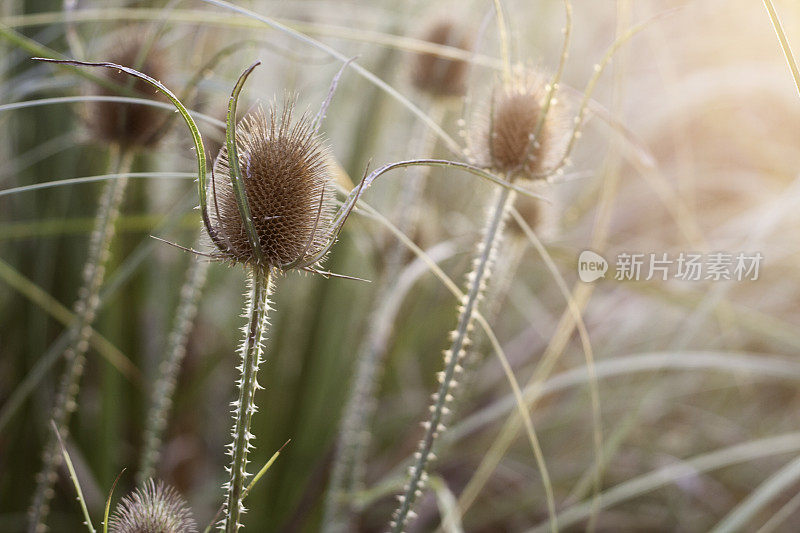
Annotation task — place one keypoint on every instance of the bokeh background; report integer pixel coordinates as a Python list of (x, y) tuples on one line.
[(691, 145)]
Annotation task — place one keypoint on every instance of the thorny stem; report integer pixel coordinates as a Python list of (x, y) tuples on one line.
[(169, 368), (256, 312), (453, 358), (75, 353)]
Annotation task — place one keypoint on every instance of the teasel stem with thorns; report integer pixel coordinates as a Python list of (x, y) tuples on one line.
[(518, 139), (85, 310), (244, 229), (164, 388), (453, 357)]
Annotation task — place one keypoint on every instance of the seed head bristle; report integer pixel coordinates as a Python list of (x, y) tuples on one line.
[(506, 139), (152, 508), (130, 125), (286, 176), (440, 76)]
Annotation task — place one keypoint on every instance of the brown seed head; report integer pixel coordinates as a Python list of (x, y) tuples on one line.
[(437, 75), (286, 177), (130, 125), (152, 508), (507, 140)]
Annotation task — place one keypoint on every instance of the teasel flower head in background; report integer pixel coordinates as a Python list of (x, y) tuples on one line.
[(440, 76), (284, 167), (522, 132), (153, 508), (130, 125)]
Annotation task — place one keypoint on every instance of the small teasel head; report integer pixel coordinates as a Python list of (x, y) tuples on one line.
[(519, 133), (152, 508), (130, 125), (441, 76), (283, 163)]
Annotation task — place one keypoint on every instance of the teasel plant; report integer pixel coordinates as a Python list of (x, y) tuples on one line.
[(154, 507), (442, 82), (267, 233), (517, 136), (244, 232), (126, 129)]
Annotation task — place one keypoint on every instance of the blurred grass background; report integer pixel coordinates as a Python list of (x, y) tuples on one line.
[(709, 161)]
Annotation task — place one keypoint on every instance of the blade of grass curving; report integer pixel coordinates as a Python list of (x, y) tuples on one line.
[(741, 515), (38, 153), (237, 181), (782, 515), (594, 392), (707, 462), (197, 16), (98, 98), (448, 506), (787, 51), (66, 317), (252, 484), (87, 519), (92, 179), (108, 501), (264, 469), (354, 195), (726, 362), (26, 43), (198, 141), (117, 280)]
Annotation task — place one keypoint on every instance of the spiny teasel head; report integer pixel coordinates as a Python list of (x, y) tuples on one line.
[(130, 125), (284, 167), (440, 76), (152, 508), (514, 136)]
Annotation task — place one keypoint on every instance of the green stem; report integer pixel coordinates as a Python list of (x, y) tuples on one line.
[(453, 358), (245, 406), (75, 353)]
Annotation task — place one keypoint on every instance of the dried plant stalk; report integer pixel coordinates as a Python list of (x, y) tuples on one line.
[(453, 357), (75, 355)]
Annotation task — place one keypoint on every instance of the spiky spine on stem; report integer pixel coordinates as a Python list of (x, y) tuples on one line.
[(347, 474), (169, 368), (75, 354), (256, 311), (476, 281)]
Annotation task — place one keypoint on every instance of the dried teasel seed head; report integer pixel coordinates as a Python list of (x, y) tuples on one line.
[(514, 136), (152, 508), (287, 183), (130, 125), (440, 76)]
